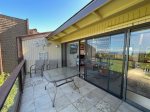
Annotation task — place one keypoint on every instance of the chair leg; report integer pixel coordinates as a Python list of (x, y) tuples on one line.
[(30, 73), (42, 73), (76, 85), (46, 85)]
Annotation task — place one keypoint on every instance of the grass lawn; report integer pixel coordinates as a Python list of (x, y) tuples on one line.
[(116, 65)]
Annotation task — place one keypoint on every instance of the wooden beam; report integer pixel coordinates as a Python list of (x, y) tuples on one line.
[(76, 26), (57, 36), (64, 32), (97, 14)]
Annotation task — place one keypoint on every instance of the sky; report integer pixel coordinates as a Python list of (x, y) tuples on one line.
[(45, 15)]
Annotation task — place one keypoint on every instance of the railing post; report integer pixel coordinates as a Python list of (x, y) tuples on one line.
[(5, 89), (20, 82), (24, 67)]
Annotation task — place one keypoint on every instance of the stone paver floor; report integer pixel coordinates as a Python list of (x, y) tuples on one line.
[(90, 99)]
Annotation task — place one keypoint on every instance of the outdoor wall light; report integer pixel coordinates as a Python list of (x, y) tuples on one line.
[(57, 46)]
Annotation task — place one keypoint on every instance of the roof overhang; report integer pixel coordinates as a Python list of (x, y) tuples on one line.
[(93, 5), (95, 11)]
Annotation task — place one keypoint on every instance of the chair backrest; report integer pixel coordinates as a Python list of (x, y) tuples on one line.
[(53, 64), (46, 63), (39, 63)]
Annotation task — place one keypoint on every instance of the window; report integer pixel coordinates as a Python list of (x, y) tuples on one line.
[(138, 77)]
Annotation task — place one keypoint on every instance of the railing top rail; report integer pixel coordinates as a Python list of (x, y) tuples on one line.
[(8, 84)]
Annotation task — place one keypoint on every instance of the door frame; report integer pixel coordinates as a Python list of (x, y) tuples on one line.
[(128, 33)]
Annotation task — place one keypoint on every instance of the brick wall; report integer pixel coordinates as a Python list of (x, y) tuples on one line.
[(10, 28)]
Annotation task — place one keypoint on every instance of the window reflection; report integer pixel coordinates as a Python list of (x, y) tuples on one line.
[(98, 61), (139, 63), (73, 54), (105, 62), (116, 63)]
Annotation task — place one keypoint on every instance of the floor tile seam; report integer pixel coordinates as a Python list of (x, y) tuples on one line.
[(68, 106), (75, 106), (34, 92), (76, 101), (118, 106), (50, 96), (110, 105), (34, 99)]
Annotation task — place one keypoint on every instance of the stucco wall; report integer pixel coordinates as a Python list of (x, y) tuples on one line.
[(31, 52)]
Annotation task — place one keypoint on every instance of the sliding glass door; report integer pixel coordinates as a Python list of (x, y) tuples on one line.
[(104, 62), (116, 66), (97, 61), (138, 77)]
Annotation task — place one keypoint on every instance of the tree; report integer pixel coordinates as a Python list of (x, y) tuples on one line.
[(147, 56)]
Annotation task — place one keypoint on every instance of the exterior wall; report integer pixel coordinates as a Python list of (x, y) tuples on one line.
[(72, 59), (1, 67), (113, 19), (31, 52), (138, 15), (10, 29)]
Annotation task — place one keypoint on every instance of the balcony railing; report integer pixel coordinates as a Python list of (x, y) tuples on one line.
[(11, 90)]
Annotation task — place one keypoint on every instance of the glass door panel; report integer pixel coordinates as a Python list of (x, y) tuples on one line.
[(116, 63), (82, 58), (97, 62), (73, 54), (138, 77), (104, 62)]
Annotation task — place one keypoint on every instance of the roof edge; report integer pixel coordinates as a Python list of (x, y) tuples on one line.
[(90, 7), (26, 36), (12, 17)]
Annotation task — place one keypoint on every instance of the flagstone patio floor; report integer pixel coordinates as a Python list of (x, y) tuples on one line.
[(90, 98)]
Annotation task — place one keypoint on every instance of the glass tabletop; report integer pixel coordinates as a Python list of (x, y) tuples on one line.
[(59, 74)]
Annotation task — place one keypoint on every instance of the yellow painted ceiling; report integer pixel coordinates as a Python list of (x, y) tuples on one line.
[(109, 9)]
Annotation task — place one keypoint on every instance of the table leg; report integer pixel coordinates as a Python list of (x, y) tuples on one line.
[(46, 85), (76, 85), (55, 94)]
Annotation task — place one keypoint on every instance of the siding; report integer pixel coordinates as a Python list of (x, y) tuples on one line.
[(122, 20), (31, 52)]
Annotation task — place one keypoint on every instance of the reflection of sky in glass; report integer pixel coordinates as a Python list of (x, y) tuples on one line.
[(112, 44), (140, 41), (117, 43)]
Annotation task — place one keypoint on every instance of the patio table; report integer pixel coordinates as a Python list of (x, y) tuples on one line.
[(62, 76)]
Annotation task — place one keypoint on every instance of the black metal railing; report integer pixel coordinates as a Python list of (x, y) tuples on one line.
[(13, 87)]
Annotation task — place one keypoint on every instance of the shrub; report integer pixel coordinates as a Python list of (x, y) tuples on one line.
[(11, 97)]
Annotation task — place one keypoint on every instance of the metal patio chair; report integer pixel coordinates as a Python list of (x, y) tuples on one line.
[(38, 66), (52, 64)]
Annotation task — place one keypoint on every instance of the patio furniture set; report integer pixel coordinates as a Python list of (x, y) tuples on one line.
[(55, 74), (41, 65)]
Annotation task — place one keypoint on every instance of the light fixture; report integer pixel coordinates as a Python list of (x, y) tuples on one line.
[(57, 46)]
